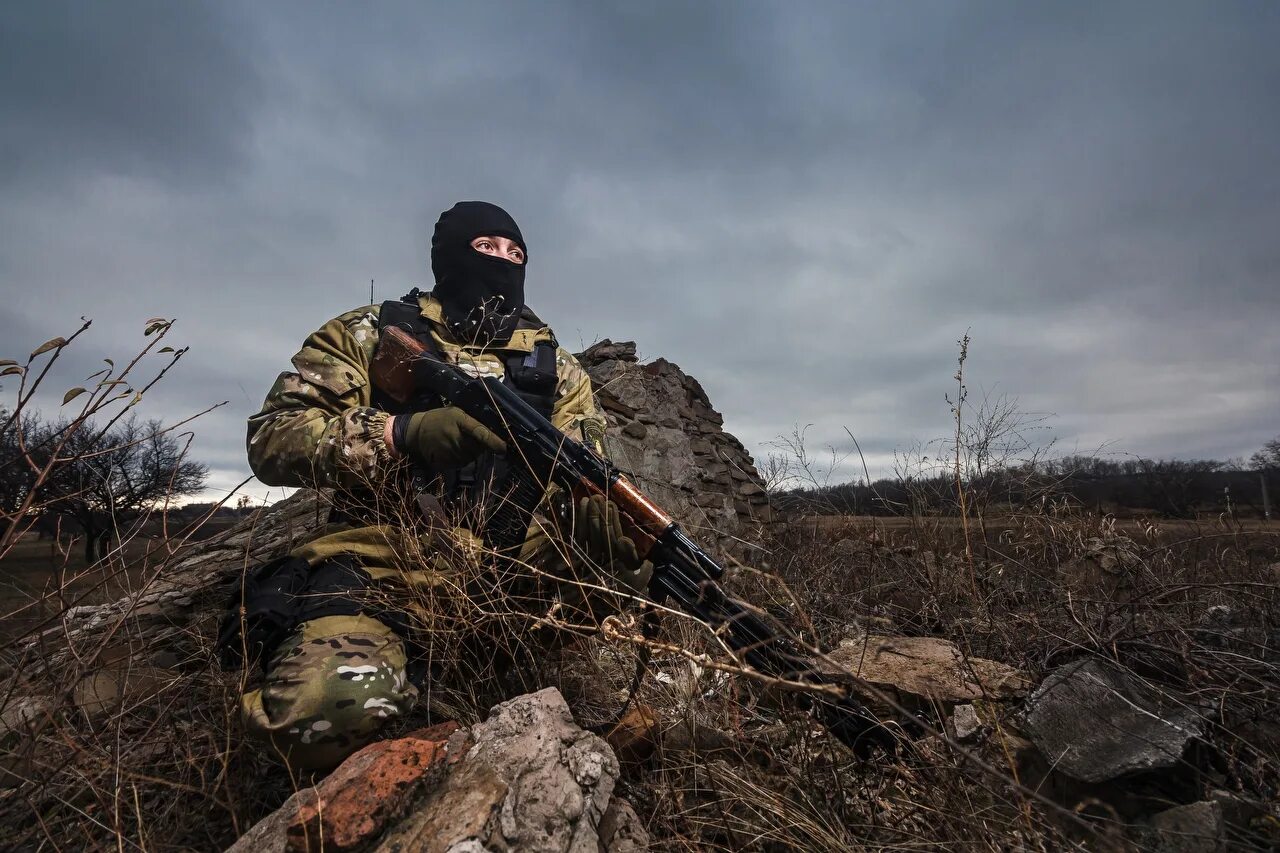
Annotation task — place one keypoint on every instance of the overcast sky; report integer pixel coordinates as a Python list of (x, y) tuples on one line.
[(804, 205)]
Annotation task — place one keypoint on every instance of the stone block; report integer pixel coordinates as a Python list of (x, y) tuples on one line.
[(615, 406), (368, 791), (928, 670), (965, 724), (1095, 722), (700, 447), (1194, 828)]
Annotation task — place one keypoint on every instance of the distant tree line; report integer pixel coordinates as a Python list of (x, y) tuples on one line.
[(1171, 488)]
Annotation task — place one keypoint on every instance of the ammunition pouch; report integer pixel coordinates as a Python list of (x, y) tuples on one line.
[(280, 595)]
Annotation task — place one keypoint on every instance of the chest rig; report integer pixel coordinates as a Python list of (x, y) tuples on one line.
[(532, 375)]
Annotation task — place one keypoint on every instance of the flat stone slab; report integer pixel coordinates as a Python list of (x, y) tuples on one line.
[(1194, 828), (1095, 722), (929, 669)]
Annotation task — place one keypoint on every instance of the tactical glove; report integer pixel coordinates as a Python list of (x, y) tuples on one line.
[(444, 439), (598, 531)]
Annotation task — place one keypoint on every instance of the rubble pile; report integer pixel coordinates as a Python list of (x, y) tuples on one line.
[(526, 779)]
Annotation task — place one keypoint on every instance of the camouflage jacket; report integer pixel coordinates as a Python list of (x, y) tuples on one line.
[(317, 427)]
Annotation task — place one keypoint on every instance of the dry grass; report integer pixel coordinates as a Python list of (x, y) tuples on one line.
[(164, 767), (1041, 600)]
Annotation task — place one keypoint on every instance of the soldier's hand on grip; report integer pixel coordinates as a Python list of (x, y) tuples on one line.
[(443, 439), (598, 530)]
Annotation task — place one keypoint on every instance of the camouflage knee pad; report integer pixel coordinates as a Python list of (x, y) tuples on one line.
[(329, 688)]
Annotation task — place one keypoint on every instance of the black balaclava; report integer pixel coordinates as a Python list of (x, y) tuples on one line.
[(482, 295)]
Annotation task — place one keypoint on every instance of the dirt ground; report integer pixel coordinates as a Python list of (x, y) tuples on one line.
[(37, 578), (1190, 606), (1127, 526)]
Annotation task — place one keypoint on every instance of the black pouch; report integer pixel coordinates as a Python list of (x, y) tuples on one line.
[(534, 377), (282, 594), (270, 597)]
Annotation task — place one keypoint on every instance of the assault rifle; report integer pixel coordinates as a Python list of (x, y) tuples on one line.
[(539, 454)]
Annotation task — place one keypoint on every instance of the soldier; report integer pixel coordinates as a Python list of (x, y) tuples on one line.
[(335, 665)]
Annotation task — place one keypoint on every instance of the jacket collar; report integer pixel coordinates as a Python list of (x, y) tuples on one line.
[(522, 340)]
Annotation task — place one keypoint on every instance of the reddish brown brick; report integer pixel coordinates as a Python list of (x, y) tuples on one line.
[(356, 802)]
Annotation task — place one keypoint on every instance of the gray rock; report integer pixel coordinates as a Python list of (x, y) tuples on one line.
[(1238, 811), (534, 781), (1195, 828), (621, 830), (608, 350), (683, 459), (1106, 566), (561, 777), (965, 723), (1094, 722)]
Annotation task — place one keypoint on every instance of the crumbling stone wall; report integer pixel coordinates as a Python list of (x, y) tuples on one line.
[(664, 431)]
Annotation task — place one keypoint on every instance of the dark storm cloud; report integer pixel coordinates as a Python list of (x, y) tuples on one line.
[(142, 88), (804, 205)]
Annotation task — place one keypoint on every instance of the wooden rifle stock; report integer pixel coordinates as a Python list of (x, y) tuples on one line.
[(392, 366)]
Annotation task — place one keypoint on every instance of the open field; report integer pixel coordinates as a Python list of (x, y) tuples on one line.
[(38, 578), (1190, 609), (36, 581), (1127, 526)]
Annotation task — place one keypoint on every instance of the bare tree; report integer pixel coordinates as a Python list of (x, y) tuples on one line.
[(111, 477), (15, 478), (1174, 486), (101, 466)]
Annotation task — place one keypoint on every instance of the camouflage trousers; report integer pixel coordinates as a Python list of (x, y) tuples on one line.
[(337, 680)]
